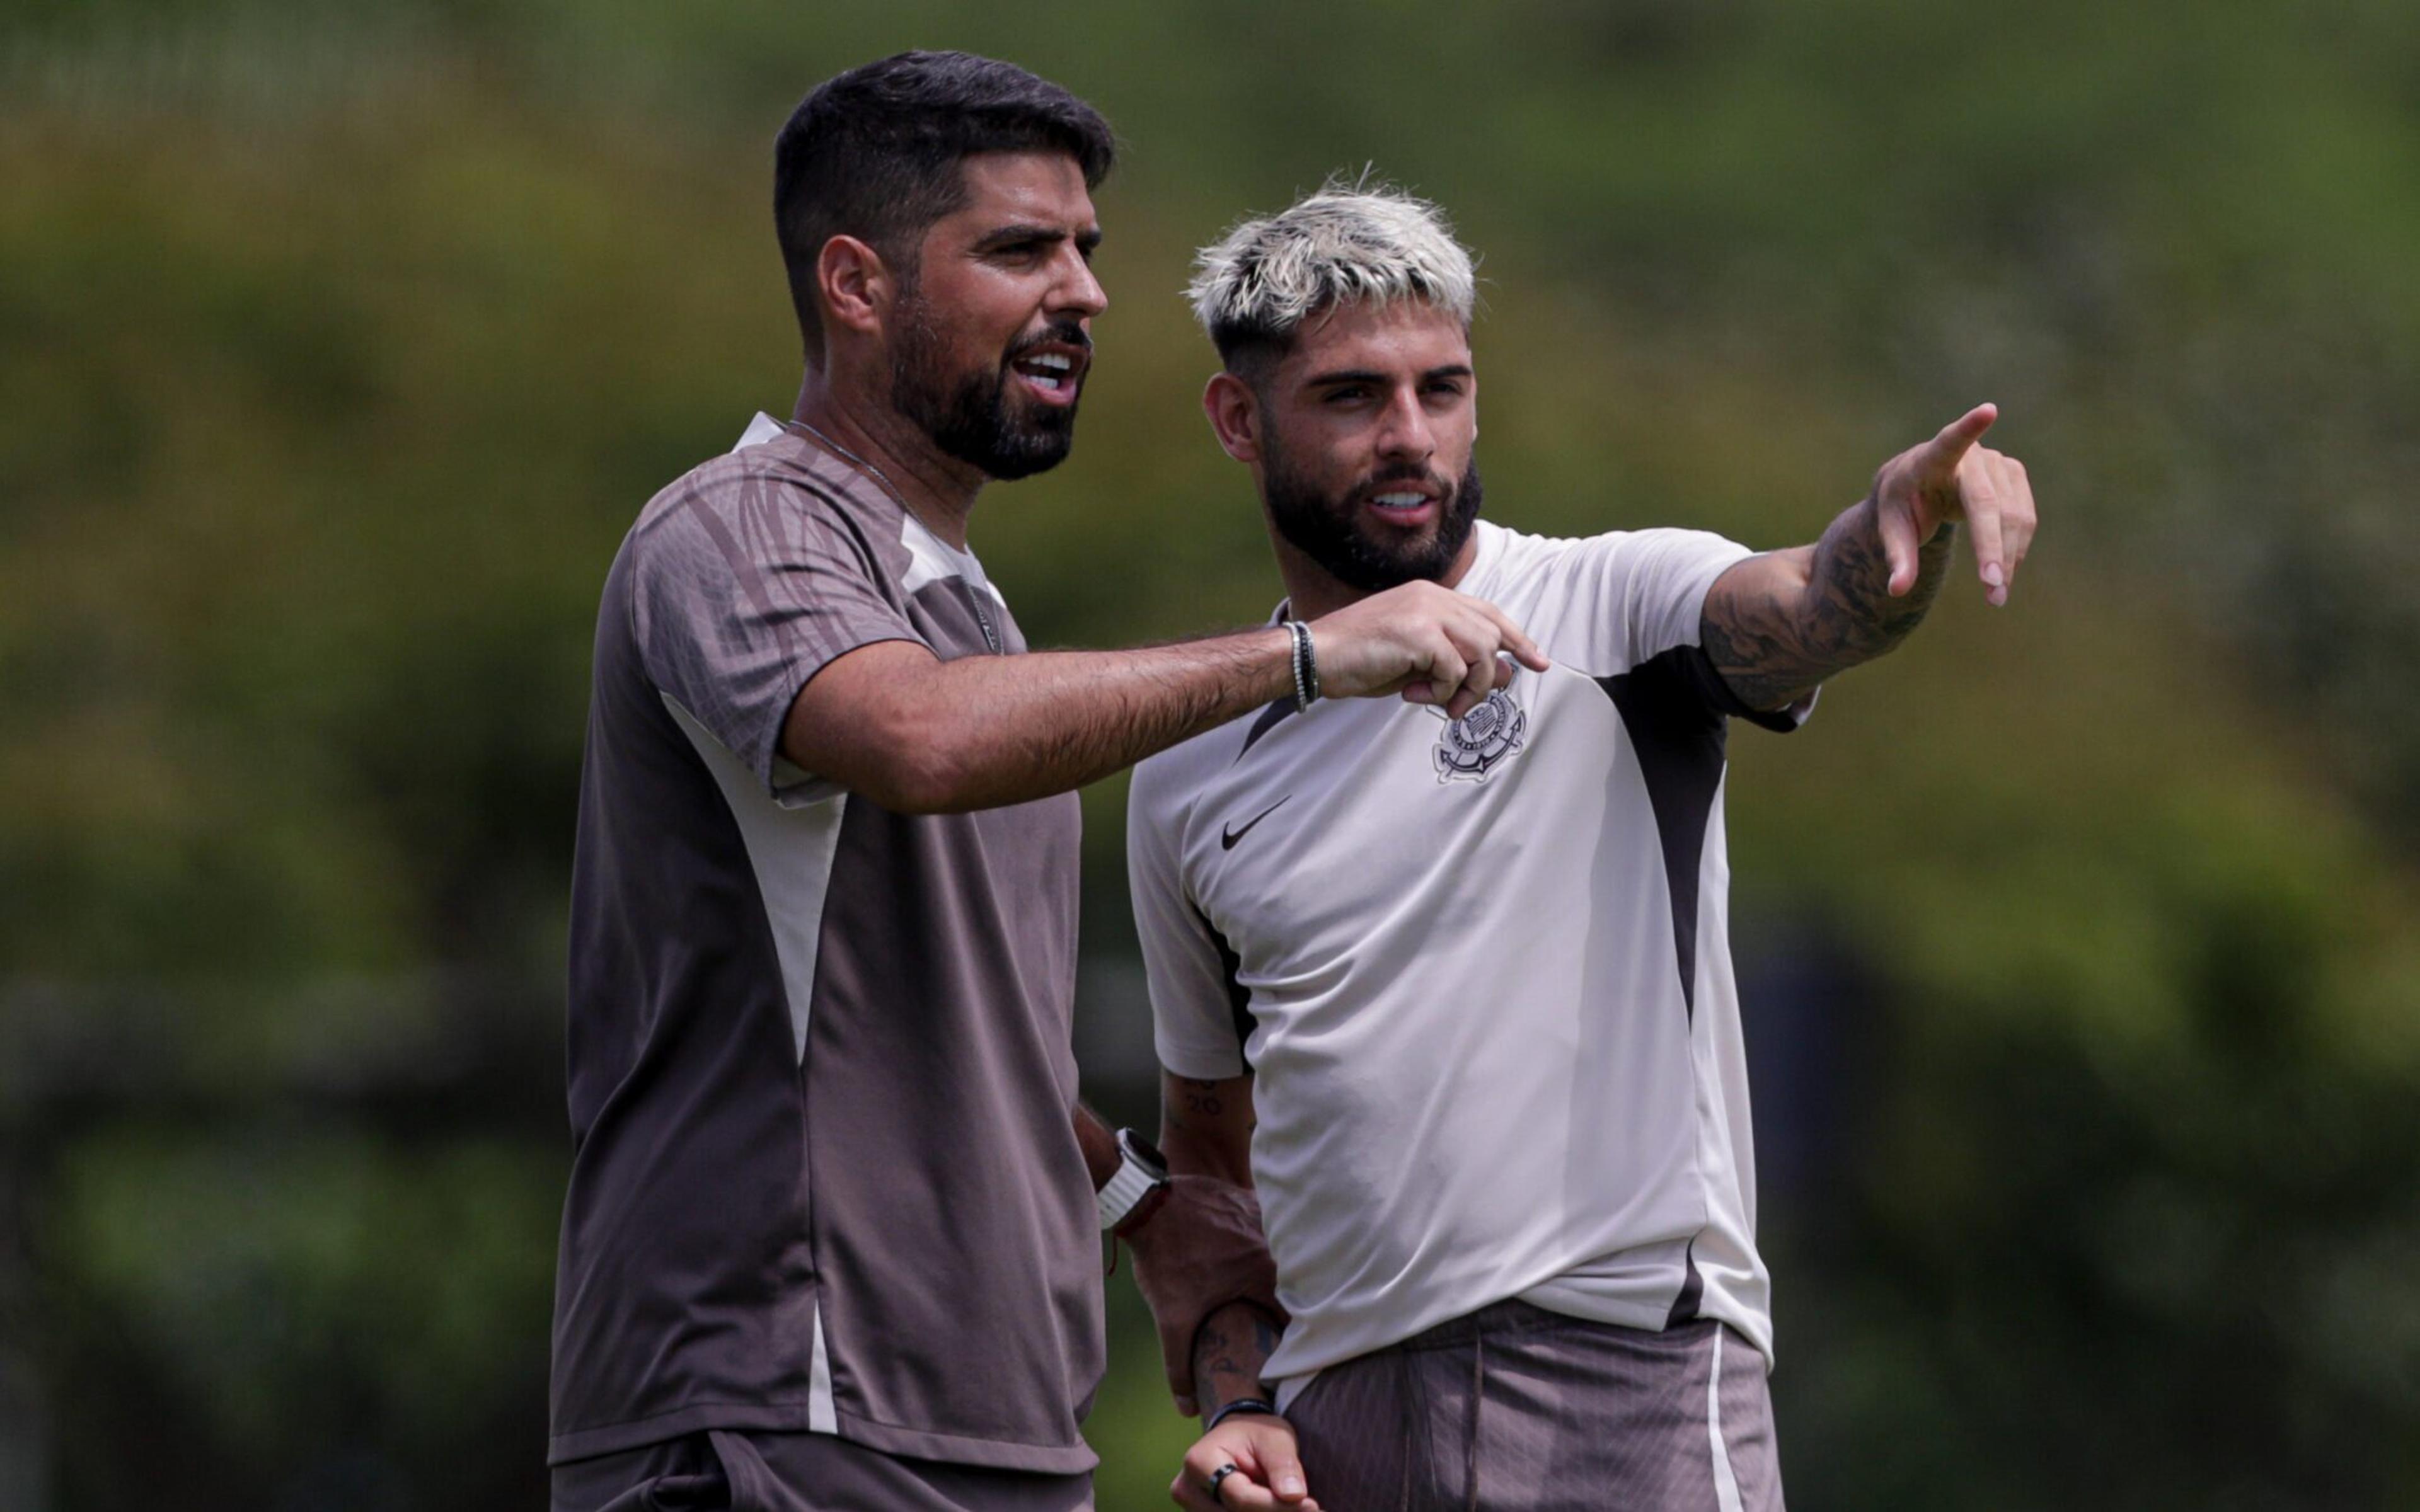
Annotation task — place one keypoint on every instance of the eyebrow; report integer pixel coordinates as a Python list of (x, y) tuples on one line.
[(1010, 236), (1337, 376)]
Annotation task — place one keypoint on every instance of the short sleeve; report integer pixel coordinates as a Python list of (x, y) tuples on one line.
[(1632, 595), (744, 588), (1194, 1002)]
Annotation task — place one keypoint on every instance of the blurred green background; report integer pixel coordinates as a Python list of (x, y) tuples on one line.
[(339, 345)]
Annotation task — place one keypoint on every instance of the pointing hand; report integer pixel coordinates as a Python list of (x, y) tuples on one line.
[(1951, 478)]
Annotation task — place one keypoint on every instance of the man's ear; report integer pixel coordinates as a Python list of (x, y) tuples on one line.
[(855, 284), (1234, 413)]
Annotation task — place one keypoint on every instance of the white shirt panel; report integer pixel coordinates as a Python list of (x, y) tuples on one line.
[(1477, 1074)]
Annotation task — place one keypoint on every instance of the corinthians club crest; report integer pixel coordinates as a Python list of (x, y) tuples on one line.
[(1482, 740)]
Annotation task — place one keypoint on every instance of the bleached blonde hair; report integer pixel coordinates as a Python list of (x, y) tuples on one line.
[(1354, 241)]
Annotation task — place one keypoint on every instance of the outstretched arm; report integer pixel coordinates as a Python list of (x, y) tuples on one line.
[(1778, 624), (921, 736)]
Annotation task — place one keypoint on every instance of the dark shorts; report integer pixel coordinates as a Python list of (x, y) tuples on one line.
[(746, 1472), (1515, 1409)]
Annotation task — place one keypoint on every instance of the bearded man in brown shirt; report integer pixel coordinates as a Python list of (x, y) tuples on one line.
[(831, 1237)]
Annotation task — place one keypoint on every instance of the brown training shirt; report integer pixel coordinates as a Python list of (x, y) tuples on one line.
[(820, 1075)]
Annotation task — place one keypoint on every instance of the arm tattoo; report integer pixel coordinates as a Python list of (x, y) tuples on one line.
[(1233, 1345), (1774, 647), (1206, 1126), (1199, 1099), (1202, 1098)]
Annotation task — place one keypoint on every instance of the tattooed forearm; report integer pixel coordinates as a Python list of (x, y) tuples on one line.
[(1187, 1104), (1206, 1126), (1777, 633), (1233, 1343)]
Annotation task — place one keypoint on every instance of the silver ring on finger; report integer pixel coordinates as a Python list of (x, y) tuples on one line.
[(1219, 1475)]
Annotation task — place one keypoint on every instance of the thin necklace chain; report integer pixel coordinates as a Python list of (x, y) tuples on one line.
[(856, 461), (974, 597)]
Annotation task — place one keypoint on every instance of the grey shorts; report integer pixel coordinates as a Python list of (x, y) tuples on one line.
[(1514, 1409), (748, 1471)]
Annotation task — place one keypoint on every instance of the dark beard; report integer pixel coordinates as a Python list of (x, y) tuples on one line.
[(970, 420), (1323, 530)]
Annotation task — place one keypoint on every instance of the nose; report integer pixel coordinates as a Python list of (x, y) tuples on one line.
[(1404, 430), (1077, 293)]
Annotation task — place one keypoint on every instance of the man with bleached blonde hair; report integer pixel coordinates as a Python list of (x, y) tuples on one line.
[(1470, 972)]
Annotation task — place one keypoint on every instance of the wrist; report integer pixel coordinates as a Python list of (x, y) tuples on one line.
[(1098, 1143), (1273, 682), (1303, 662), (1139, 1215), (1141, 1176)]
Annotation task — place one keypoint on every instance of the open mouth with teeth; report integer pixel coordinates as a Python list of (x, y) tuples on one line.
[(1053, 375), (1404, 506)]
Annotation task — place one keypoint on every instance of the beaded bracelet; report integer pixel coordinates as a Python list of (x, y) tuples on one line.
[(1305, 665)]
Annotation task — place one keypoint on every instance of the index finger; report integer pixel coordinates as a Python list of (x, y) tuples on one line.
[(1251, 1496), (1943, 453), (1479, 676), (1513, 637), (1191, 1489), (1244, 1492)]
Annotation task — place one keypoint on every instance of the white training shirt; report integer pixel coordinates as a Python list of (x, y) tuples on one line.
[(1482, 973)]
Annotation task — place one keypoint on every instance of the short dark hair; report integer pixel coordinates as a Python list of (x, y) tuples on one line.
[(875, 153)]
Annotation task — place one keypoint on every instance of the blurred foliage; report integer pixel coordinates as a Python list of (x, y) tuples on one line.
[(338, 347)]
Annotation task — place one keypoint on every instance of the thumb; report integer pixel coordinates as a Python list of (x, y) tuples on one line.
[(1942, 454), (1269, 1455), (1281, 1470), (1896, 528)]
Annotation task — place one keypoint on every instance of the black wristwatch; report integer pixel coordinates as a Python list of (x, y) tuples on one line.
[(1141, 1170)]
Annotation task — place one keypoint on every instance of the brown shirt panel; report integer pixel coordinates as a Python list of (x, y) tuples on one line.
[(869, 1217)]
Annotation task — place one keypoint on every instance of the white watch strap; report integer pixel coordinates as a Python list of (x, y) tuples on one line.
[(1128, 1186)]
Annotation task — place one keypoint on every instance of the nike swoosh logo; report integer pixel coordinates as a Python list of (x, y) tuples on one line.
[(1227, 837)]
